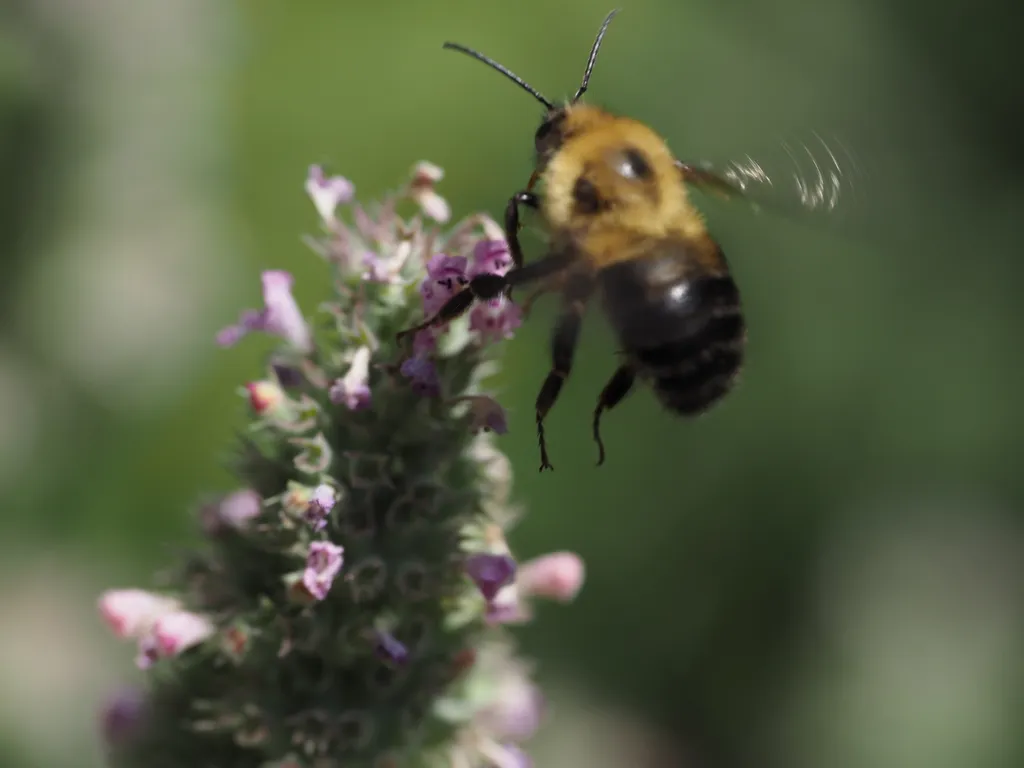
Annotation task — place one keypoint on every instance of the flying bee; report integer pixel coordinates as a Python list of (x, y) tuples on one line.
[(621, 226)]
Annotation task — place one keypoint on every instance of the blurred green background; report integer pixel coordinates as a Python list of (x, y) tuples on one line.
[(828, 572)]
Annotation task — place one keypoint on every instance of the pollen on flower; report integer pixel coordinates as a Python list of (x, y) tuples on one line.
[(322, 566)]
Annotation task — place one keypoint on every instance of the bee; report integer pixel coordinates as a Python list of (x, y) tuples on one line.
[(621, 226)]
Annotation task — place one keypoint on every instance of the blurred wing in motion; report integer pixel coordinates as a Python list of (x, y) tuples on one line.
[(816, 179)]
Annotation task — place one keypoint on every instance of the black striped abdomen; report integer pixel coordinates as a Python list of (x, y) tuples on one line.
[(692, 373), (686, 336)]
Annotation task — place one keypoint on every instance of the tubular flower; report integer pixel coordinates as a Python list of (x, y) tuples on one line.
[(341, 610)]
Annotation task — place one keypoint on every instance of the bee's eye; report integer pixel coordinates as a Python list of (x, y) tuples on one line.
[(586, 196), (543, 134), (549, 134), (631, 164)]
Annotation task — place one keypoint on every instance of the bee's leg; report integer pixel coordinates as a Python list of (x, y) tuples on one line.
[(488, 286), (563, 349), (453, 308), (612, 394), (708, 180), (512, 222), (512, 226)]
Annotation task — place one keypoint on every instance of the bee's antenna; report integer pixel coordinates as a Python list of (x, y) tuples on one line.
[(593, 54), (504, 70)]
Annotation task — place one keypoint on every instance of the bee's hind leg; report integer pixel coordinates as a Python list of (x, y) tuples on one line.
[(563, 348), (613, 393)]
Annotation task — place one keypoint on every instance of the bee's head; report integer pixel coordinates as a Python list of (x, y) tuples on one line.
[(560, 124)]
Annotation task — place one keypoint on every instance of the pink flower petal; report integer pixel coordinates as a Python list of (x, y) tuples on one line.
[(178, 631), (327, 193), (131, 612), (557, 576), (283, 316)]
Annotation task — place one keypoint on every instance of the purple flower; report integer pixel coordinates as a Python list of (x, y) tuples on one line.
[(555, 576), (320, 506), (516, 757), (283, 317), (423, 375), (389, 649), (238, 508), (280, 315), (122, 715), (516, 712), (490, 572), (495, 320), (327, 193), (322, 565), (353, 389), (376, 269), (498, 318), (287, 376), (491, 256), (386, 269), (446, 276), (250, 320)]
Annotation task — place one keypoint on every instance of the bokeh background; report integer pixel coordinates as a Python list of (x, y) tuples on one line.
[(828, 572)]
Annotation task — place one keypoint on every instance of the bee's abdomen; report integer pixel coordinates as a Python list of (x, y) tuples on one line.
[(687, 339), (695, 375), (692, 372)]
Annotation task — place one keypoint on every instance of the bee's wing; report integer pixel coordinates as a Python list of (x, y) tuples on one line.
[(807, 178)]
